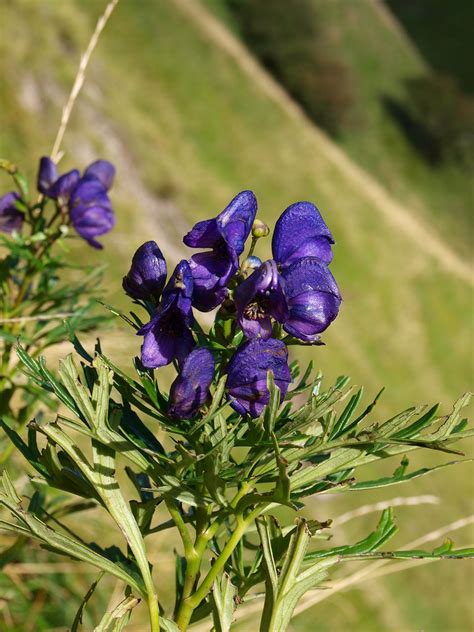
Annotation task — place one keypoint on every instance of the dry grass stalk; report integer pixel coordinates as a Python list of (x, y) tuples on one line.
[(79, 80)]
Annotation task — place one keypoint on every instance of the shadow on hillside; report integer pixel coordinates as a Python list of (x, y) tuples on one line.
[(416, 135)]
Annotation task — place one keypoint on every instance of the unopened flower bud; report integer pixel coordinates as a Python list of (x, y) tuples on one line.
[(260, 229), (249, 265)]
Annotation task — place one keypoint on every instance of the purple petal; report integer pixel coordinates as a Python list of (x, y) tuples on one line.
[(204, 234), (147, 274), (178, 292), (47, 174), (165, 339), (158, 349), (64, 185), (210, 271), (247, 374), (190, 389), (313, 298), (90, 210), (11, 218), (301, 232), (258, 298), (235, 221), (103, 170)]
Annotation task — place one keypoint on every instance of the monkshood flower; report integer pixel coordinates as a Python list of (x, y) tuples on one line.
[(168, 335), (301, 232), (312, 296), (259, 298), (225, 235), (247, 374), (11, 218), (296, 288), (90, 210), (147, 275), (190, 389), (51, 184), (103, 170)]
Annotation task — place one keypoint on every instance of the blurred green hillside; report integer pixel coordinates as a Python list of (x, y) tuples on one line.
[(188, 116)]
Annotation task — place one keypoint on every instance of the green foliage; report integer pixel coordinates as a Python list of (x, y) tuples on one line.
[(444, 119), (294, 45), (219, 474)]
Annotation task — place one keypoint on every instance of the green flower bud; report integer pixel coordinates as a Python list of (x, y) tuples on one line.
[(260, 229)]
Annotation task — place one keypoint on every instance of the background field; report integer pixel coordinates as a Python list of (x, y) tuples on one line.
[(177, 101)]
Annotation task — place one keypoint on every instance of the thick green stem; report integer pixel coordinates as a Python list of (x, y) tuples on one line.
[(191, 602), (195, 554)]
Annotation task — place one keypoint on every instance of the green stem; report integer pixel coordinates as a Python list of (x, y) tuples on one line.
[(181, 526), (191, 602), (196, 552)]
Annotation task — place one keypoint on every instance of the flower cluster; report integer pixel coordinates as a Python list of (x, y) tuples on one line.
[(294, 292), (82, 201)]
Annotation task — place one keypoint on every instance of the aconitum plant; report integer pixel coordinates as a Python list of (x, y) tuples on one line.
[(41, 300), (230, 455)]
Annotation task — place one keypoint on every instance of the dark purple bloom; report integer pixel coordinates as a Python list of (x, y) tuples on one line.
[(47, 174), (168, 334), (247, 374), (53, 185), (64, 185), (147, 275), (301, 232), (225, 235), (259, 298), (103, 170), (190, 389), (11, 218), (90, 210), (313, 298)]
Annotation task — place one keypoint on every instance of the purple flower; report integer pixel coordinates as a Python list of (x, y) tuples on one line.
[(301, 232), (47, 174), (247, 374), (168, 334), (90, 210), (313, 298), (51, 184), (225, 235), (11, 218), (147, 275), (103, 170), (259, 298), (190, 389)]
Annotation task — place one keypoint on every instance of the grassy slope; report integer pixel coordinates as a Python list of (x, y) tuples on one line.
[(197, 130), (444, 37), (382, 57)]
